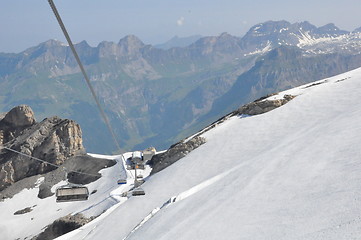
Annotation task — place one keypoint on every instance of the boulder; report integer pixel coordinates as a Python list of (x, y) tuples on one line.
[(63, 225)]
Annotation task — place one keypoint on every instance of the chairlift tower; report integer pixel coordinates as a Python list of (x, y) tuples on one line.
[(137, 159)]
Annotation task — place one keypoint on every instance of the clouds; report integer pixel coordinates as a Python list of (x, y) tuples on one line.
[(180, 21)]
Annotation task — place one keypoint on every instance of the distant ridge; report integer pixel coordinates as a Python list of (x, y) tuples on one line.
[(178, 42)]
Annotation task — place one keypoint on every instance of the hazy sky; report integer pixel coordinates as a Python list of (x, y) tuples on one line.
[(26, 23)]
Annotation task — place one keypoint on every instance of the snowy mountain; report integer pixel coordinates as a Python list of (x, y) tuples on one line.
[(313, 40), (290, 173)]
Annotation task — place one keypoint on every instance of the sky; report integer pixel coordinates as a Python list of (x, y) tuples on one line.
[(25, 23)]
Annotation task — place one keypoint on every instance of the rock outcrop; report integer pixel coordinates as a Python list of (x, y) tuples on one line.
[(262, 106), (63, 225), (174, 153), (20, 116), (14, 122), (53, 140)]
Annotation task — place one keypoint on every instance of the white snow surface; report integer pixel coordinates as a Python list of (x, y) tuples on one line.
[(329, 44), (264, 50), (291, 173)]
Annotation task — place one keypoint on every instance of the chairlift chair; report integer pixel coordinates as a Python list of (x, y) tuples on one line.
[(122, 181), (72, 192), (138, 192)]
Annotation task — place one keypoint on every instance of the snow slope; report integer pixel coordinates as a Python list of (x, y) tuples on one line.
[(292, 173), (45, 211)]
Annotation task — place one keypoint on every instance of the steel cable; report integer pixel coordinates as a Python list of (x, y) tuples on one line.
[(46, 162), (62, 26)]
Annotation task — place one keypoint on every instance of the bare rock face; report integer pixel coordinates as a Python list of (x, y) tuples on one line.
[(53, 140), (63, 225), (262, 106), (15, 121), (20, 116), (174, 153)]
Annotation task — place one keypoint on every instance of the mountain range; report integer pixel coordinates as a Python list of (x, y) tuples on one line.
[(178, 42), (154, 96)]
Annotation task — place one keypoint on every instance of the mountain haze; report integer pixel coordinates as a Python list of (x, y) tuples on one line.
[(153, 96), (178, 42)]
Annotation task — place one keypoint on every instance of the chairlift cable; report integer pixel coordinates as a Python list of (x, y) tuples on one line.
[(65, 32), (46, 162)]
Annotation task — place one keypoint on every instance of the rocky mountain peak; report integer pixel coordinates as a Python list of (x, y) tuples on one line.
[(264, 36), (225, 35), (20, 116), (131, 39), (53, 43), (130, 43), (83, 45), (53, 140), (107, 49), (268, 27), (331, 29), (50, 46), (177, 41), (305, 26), (217, 45)]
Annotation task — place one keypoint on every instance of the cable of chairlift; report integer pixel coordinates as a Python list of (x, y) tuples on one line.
[(46, 162), (71, 45)]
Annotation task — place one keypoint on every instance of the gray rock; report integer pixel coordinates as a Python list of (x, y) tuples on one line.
[(262, 106), (14, 122), (174, 153), (20, 116), (53, 140), (63, 225), (23, 211)]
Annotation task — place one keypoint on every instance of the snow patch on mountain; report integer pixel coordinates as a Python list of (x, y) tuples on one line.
[(262, 51), (330, 44)]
